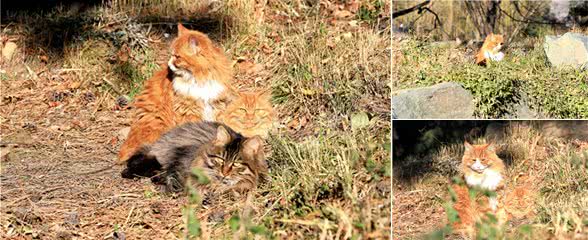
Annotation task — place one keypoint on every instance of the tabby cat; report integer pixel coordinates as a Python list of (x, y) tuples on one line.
[(193, 86), (490, 49), (251, 114), (230, 161)]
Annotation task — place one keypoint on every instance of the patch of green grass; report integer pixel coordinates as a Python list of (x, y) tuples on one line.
[(325, 71), (370, 10), (558, 92), (556, 169), (315, 173)]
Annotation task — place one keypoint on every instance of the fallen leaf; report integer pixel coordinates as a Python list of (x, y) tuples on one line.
[(244, 65), (313, 70), (44, 58), (294, 124), (353, 23), (275, 36), (266, 49), (74, 85), (77, 123), (113, 141), (8, 50), (353, 6), (341, 14), (54, 104), (333, 22), (330, 43), (123, 133), (307, 91), (359, 120), (347, 35), (303, 121), (4, 151)]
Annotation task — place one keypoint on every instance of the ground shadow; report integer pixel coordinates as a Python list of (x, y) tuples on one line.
[(50, 27), (415, 139)]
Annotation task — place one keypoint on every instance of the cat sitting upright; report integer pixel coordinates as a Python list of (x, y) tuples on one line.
[(193, 86), (490, 49), (483, 169)]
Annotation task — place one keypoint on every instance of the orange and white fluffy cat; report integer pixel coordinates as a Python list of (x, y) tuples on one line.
[(483, 169), (194, 86), (250, 114), (490, 49)]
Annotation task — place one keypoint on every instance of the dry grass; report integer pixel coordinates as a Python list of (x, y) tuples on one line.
[(548, 172), (329, 173)]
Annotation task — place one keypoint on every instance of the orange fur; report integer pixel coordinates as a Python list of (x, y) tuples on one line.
[(473, 210), (250, 114), (160, 106), (492, 44), (486, 155)]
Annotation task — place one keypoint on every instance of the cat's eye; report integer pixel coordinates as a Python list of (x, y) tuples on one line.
[(242, 110), (261, 112)]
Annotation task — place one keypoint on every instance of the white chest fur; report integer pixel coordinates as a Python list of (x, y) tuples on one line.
[(207, 91), (494, 57), (488, 180)]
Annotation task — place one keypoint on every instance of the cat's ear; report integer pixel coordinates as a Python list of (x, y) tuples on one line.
[(468, 146), (253, 145), (491, 147), (181, 29), (222, 137), (193, 45)]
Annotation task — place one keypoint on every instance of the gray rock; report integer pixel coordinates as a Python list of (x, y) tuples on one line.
[(571, 49), (566, 129), (442, 101), (495, 132), (522, 110)]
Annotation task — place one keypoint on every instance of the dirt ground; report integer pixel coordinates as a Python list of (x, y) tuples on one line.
[(46, 151), (63, 119)]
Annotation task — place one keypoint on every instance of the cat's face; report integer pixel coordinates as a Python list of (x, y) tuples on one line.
[(234, 164), (478, 158), (192, 53), (495, 41), (250, 114)]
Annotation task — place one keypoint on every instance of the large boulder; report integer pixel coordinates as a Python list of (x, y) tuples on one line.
[(442, 101), (567, 129), (571, 49)]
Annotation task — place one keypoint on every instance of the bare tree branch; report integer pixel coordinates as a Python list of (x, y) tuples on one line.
[(411, 9)]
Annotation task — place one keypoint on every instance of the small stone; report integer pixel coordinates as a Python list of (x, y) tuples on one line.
[(216, 216), (123, 101), (72, 219), (63, 235), (571, 49), (123, 133), (89, 97), (118, 236)]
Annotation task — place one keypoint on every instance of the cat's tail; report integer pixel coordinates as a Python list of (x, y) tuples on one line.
[(141, 164)]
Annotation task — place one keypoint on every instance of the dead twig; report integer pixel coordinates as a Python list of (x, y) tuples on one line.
[(129, 216), (33, 74), (125, 195), (112, 86)]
